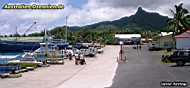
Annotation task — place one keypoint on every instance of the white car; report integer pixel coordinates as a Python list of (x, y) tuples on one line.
[(92, 51)]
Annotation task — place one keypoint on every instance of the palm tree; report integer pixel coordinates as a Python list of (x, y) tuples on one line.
[(180, 21)]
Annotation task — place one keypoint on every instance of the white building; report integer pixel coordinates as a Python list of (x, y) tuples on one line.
[(128, 38), (166, 40), (183, 40)]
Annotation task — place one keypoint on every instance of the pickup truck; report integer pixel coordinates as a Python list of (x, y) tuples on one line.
[(180, 57)]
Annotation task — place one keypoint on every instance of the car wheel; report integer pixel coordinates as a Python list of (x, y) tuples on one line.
[(180, 63)]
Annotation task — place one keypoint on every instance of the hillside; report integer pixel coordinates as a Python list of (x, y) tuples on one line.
[(103, 31), (140, 21)]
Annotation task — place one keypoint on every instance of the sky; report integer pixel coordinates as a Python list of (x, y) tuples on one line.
[(79, 12)]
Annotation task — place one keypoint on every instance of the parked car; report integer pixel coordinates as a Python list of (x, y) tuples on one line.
[(92, 51), (153, 47), (180, 57)]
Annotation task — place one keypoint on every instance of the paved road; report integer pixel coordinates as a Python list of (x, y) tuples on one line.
[(98, 74), (144, 70)]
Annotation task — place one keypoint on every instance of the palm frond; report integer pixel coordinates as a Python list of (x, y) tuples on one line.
[(173, 13)]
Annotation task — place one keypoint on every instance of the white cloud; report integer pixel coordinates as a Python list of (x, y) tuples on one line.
[(4, 29), (105, 10), (22, 17), (94, 12)]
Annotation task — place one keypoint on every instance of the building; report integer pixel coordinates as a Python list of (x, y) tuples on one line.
[(166, 40), (183, 40), (128, 38)]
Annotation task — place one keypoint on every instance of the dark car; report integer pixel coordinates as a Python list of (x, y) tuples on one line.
[(154, 47), (180, 57)]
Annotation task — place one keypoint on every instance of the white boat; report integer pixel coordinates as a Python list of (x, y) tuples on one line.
[(27, 58)]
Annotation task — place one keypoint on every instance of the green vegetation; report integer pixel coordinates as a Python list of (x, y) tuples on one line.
[(181, 19), (25, 65), (84, 35)]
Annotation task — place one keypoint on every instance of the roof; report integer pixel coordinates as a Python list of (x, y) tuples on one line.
[(33, 39), (184, 35), (127, 35), (166, 33)]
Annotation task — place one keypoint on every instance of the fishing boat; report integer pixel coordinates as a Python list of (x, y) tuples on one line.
[(18, 46), (27, 45), (26, 60)]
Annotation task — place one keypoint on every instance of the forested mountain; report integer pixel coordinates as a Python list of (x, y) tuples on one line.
[(140, 21)]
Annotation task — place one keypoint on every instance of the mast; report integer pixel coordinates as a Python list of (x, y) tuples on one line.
[(66, 30), (27, 30), (46, 42), (16, 35)]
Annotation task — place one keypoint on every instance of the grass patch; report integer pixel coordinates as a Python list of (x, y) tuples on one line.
[(25, 65)]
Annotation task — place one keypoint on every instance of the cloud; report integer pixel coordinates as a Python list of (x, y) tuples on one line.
[(24, 18), (4, 28), (105, 10), (94, 12), (136, 3), (89, 16)]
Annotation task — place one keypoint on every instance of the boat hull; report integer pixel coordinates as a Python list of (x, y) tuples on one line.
[(13, 46)]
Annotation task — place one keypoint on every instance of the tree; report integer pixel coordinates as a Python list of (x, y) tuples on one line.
[(180, 21)]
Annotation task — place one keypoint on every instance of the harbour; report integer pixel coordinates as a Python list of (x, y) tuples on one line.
[(54, 52), (23, 54), (55, 76)]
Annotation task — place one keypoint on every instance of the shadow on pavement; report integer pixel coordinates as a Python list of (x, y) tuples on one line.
[(188, 65)]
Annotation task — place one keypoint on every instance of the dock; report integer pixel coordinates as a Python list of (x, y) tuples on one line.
[(97, 73)]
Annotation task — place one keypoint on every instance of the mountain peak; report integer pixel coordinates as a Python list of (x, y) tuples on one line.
[(140, 21), (140, 9)]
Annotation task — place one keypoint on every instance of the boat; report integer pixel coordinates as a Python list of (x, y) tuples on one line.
[(18, 46), (60, 43), (23, 46), (26, 60)]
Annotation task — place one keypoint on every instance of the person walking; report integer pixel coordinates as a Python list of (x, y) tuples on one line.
[(119, 59), (65, 54), (70, 56), (77, 58), (140, 47), (82, 59)]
